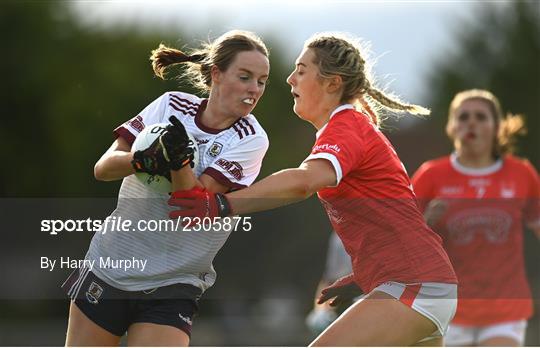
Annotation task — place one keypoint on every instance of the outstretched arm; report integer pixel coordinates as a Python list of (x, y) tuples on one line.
[(279, 189), (284, 187)]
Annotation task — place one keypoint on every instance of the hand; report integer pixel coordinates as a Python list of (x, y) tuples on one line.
[(434, 211), (176, 145), (171, 150), (151, 160), (342, 290), (199, 202)]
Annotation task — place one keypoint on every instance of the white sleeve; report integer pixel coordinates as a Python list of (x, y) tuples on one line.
[(239, 166), (333, 161), (153, 113)]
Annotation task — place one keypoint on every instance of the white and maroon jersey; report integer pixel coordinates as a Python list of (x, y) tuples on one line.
[(232, 156), (482, 231), (373, 208)]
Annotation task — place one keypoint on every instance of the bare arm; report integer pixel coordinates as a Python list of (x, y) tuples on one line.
[(183, 179), (536, 230), (212, 185), (115, 163), (435, 211), (284, 187)]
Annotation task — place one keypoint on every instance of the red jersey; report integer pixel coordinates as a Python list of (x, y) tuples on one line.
[(373, 208), (482, 232)]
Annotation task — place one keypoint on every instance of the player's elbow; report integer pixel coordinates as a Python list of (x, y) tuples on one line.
[(100, 173), (304, 188), (303, 191), (294, 185), (311, 181)]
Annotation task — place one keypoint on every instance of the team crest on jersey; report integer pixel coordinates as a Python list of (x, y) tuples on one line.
[(490, 223), (508, 191), (215, 149), (94, 292)]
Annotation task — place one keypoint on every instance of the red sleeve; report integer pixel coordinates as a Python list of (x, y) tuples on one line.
[(423, 185), (532, 209)]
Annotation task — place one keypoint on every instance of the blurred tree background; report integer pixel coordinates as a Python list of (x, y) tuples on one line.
[(499, 51), (65, 88), (70, 87)]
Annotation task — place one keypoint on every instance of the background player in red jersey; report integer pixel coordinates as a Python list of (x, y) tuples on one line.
[(397, 260), (477, 199)]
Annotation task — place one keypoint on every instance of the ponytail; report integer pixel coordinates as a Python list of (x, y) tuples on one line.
[(509, 128), (220, 53), (394, 104), (337, 54), (164, 56)]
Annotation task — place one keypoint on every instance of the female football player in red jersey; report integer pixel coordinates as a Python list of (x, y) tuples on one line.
[(477, 199), (155, 305), (396, 259)]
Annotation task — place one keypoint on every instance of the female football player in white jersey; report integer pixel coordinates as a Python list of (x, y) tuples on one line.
[(397, 261), (478, 199), (155, 301)]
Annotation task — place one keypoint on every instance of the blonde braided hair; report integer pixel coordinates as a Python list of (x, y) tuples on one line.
[(337, 54)]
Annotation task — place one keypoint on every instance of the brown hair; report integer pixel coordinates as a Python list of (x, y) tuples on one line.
[(221, 52), (507, 126), (336, 54)]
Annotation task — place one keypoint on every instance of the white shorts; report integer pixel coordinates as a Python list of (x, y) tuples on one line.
[(435, 301), (461, 335)]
